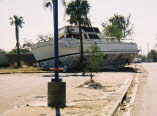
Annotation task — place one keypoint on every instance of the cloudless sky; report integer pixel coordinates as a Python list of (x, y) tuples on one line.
[(38, 20)]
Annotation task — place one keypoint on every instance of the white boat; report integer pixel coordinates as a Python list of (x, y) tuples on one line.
[(116, 54)]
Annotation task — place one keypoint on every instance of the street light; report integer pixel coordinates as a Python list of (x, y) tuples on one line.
[(56, 50)]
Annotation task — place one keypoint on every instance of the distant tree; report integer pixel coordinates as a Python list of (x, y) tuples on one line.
[(44, 38), (122, 23), (113, 31), (17, 21), (118, 26), (22, 50), (78, 11), (144, 58), (2, 51), (93, 59), (27, 45), (152, 56)]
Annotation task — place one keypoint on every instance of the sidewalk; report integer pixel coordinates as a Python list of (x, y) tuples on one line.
[(82, 101)]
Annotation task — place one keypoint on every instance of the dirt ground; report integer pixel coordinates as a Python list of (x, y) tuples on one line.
[(18, 90)]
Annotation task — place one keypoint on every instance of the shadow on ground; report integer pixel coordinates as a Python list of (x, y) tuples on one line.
[(78, 73)]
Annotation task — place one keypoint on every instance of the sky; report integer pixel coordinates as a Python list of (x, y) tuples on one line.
[(38, 20)]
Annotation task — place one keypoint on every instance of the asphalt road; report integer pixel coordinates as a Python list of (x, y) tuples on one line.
[(19, 89), (146, 100)]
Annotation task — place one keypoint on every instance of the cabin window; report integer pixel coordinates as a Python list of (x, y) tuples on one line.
[(69, 36), (85, 36), (93, 36), (77, 36)]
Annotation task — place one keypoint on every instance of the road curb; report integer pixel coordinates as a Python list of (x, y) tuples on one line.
[(120, 99), (132, 101), (131, 105)]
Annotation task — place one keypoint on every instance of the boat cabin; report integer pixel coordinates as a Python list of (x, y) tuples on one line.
[(73, 32)]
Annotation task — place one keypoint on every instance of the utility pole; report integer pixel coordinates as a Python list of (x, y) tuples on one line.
[(156, 42), (141, 52), (147, 50)]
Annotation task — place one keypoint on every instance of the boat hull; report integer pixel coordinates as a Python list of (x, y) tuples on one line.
[(116, 54)]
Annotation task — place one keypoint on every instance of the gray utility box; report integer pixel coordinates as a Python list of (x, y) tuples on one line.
[(56, 94)]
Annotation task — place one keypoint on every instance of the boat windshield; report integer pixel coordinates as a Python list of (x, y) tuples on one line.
[(93, 36)]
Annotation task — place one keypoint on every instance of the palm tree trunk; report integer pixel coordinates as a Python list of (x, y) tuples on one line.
[(81, 49), (17, 45), (91, 75)]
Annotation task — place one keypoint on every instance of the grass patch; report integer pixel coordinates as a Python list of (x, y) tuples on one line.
[(92, 84), (21, 70)]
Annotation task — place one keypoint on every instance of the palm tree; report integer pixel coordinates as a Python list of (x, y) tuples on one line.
[(17, 21), (118, 20), (49, 3), (78, 11)]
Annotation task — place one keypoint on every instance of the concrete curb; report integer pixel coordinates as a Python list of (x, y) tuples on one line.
[(118, 102), (134, 96)]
